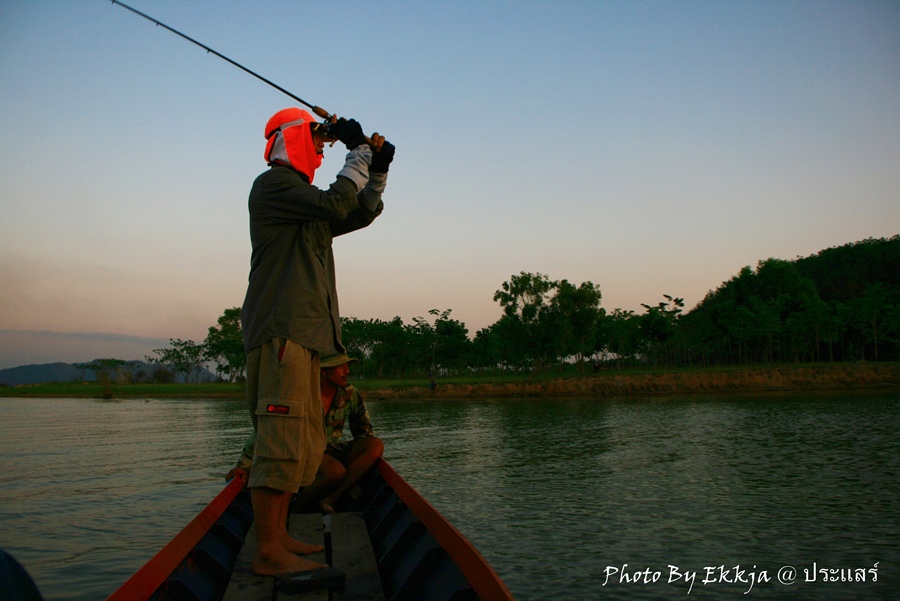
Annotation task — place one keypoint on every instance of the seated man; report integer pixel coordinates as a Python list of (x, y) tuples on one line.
[(345, 461)]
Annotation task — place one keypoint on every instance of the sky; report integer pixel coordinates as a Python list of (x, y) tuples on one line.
[(649, 147)]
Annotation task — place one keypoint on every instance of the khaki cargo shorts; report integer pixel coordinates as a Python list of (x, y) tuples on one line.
[(285, 406)]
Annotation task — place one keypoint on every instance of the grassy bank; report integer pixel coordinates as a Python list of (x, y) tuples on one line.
[(862, 376), (569, 382)]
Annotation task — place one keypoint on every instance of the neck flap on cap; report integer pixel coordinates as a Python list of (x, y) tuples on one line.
[(289, 140)]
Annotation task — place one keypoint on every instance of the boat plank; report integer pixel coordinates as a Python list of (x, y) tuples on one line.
[(354, 556), (351, 553), (307, 527), (244, 584)]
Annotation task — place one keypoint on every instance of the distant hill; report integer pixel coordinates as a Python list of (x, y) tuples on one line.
[(37, 374), (65, 372)]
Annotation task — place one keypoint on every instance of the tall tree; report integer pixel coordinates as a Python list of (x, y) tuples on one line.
[(184, 356), (545, 320), (108, 369), (580, 309), (622, 332), (384, 348), (487, 351), (527, 328), (659, 325), (224, 345), (449, 340)]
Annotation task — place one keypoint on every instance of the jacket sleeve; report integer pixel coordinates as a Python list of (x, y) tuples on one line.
[(280, 195), (370, 206)]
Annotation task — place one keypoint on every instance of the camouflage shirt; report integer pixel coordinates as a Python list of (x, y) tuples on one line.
[(348, 405)]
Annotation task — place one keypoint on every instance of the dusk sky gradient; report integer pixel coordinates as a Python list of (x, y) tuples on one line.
[(650, 147)]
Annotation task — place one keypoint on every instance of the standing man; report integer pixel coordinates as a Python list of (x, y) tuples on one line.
[(345, 461), (290, 314)]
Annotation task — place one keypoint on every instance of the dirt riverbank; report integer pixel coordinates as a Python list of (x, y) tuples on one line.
[(838, 377)]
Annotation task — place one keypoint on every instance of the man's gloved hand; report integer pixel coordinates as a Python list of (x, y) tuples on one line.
[(348, 131), (381, 159)]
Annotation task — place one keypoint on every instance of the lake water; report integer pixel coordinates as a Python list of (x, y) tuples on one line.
[(762, 497)]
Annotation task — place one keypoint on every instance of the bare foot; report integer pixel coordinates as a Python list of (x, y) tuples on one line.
[(299, 547), (287, 563), (327, 505)]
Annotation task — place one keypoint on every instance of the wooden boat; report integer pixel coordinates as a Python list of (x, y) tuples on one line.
[(415, 553)]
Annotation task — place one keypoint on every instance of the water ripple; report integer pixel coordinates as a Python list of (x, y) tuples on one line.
[(555, 493)]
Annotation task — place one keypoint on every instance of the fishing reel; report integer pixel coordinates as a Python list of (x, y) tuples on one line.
[(321, 130)]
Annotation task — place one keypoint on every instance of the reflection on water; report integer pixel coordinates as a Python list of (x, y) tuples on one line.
[(91, 489), (559, 493), (562, 496)]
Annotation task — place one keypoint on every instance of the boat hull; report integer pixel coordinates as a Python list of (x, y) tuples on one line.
[(418, 553)]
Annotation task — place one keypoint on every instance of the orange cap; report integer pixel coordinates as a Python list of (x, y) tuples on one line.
[(289, 139)]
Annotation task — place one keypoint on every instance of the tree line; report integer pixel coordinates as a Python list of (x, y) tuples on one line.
[(182, 360), (842, 304)]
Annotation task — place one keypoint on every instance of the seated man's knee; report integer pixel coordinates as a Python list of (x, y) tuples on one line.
[(376, 447), (370, 447), (332, 471)]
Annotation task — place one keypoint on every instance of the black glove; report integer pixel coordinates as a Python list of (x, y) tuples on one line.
[(347, 131), (381, 160)]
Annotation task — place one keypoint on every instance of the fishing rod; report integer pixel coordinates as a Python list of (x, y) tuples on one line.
[(316, 109)]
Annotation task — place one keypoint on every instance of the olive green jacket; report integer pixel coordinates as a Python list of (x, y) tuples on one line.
[(291, 292)]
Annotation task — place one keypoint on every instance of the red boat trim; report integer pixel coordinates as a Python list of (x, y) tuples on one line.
[(481, 576), (145, 581)]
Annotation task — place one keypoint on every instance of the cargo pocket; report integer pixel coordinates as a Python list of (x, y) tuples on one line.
[(278, 430)]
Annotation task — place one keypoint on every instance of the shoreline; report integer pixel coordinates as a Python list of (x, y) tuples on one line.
[(820, 378), (775, 379)]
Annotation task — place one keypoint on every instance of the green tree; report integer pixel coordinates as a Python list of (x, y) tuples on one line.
[(868, 311), (224, 345), (487, 351), (420, 342), (108, 370), (527, 328), (447, 339), (622, 331), (384, 348), (545, 320), (580, 310), (658, 326), (358, 336), (184, 356), (82, 368)]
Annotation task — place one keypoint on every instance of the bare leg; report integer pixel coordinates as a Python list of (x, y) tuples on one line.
[(271, 555), (363, 455), (290, 543), (331, 473)]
